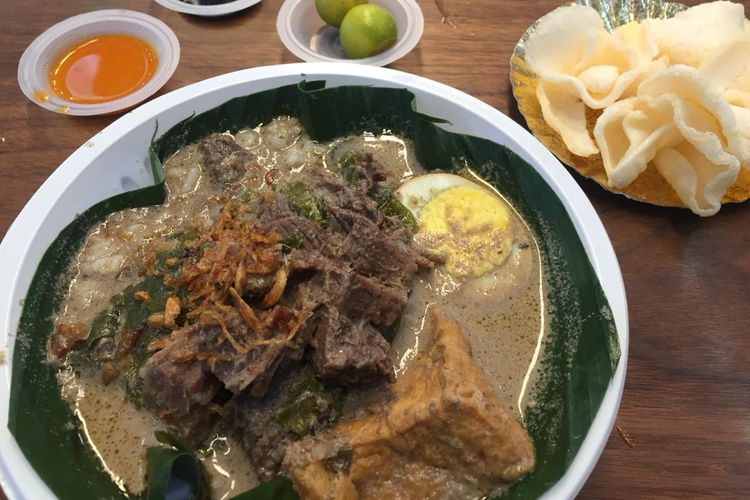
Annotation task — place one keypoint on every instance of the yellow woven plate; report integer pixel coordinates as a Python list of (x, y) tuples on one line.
[(650, 186)]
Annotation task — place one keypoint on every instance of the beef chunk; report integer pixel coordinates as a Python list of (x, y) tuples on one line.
[(182, 379), (177, 383), (305, 260), (272, 214), (253, 365), (354, 273), (346, 344), (335, 194), (236, 369), (349, 351), (295, 405), (387, 255), (445, 435), (323, 287), (225, 161), (357, 297), (371, 300), (302, 232), (239, 371)]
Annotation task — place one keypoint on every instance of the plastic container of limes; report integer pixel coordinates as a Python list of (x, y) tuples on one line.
[(308, 37)]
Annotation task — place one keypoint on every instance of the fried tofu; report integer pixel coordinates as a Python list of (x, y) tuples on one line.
[(445, 435)]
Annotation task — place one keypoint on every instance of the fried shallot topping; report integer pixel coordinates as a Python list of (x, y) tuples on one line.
[(234, 269), (234, 251)]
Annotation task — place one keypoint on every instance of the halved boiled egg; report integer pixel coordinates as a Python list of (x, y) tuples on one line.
[(460, 222)]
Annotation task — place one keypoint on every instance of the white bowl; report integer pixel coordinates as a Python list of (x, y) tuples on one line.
[(116, 160), (34, 66), (220, 9), (308, 37)]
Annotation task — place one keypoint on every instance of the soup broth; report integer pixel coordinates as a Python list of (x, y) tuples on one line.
[(503, 312)]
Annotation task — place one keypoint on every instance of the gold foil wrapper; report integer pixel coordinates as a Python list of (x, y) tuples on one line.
[(650, 186)]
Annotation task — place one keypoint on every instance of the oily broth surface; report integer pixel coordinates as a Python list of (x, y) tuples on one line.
[(120, 433), (503, 315), (385, 148)]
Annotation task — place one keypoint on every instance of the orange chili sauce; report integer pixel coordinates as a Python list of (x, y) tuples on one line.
[(103, 69)]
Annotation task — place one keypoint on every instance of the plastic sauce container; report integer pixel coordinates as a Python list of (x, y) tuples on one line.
[(99, 62)]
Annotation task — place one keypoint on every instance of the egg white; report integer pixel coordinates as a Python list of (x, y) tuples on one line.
[(416, 192)]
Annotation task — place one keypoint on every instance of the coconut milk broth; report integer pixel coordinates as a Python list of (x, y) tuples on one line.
[(506, 331), (503, 314)]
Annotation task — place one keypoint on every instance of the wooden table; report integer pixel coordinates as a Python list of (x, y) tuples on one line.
[(686, 407)]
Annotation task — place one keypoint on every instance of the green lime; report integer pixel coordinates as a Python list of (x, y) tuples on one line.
[(367, 30), (333, 11)]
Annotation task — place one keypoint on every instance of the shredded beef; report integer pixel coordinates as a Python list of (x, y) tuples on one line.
[(177, 383), (361, 263), (371, 300), (225, 161), (375, 251), (238, 370), (349, 351), (183, 379), (335, 194), (358, 266)]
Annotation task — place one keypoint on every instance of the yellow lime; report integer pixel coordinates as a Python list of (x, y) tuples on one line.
[(333, 11), (367, 30)]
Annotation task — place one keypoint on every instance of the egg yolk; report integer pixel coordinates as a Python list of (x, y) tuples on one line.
[(103, 69), (468, 227)]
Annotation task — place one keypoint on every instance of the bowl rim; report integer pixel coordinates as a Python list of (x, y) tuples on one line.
[(403, 45), (207, 10), (167, 64), (15, 471)]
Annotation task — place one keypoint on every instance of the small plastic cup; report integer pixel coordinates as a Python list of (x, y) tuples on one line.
[(308, 37), (34, 66), (207, 9)]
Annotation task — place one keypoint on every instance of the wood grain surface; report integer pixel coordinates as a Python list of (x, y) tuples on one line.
[(686, 406)]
